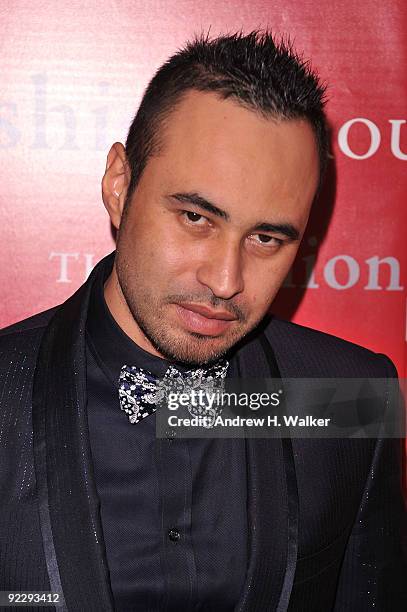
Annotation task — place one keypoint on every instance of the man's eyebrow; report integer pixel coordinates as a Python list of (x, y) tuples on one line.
[(197, 200), (286, 229)]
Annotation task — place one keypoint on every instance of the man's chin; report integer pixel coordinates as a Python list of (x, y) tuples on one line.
[(197, 357), (196, 350)]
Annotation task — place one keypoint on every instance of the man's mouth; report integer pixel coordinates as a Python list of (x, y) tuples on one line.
[(203, 320)]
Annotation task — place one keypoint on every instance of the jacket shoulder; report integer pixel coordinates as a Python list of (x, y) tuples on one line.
[(31, 323), (308, 352), (22, 339)]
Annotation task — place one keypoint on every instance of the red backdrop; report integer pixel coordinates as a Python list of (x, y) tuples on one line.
[(72, 77)]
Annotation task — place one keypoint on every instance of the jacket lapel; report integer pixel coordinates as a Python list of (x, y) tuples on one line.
[(68, 503), (272, 502)]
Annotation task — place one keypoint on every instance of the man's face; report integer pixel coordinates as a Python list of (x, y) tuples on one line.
[(214, 225)]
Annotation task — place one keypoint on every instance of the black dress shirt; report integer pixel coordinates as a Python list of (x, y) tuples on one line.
[(173, 512)]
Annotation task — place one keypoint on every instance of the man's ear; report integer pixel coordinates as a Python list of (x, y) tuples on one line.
[(115, 183)]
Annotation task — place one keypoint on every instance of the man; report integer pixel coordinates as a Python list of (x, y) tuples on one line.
[(210, 198)]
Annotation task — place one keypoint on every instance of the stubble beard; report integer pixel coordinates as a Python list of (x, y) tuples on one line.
[(184, 347)]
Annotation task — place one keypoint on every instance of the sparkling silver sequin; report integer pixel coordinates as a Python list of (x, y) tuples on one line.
[(140, 392)]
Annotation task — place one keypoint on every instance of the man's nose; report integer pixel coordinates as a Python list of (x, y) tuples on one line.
[(222, 270)]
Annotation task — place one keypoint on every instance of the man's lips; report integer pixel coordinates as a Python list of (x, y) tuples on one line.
[(203, 320), (224, 315)]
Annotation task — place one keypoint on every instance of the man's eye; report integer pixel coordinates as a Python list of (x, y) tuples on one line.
[(266, 239), (194, 217)]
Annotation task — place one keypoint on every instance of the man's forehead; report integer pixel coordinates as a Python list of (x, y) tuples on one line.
[(209, 111), (205, 130)]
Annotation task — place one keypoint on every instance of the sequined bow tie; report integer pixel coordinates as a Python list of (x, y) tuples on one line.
[(140, 391)]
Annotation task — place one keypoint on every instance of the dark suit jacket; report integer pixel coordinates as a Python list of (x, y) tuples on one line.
[(327, 522)]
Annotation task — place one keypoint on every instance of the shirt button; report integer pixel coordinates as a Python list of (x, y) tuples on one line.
[(174, 534)]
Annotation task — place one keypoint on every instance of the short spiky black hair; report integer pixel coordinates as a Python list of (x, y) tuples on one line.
[(260, 73)]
